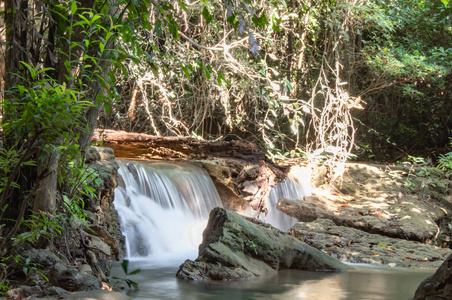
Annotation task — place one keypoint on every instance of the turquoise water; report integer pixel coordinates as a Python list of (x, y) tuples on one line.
[(361, 283)]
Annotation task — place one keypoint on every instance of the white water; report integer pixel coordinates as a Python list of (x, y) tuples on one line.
[(165, 207), (295, 187), (164, 210)]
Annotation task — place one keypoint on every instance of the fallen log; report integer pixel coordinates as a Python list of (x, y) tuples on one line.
[(179, 146)]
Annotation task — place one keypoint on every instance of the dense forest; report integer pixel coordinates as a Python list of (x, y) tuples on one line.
[(320, 80)]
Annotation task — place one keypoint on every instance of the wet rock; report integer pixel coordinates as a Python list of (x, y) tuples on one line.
[(357, 246), (55, 291), (439, 285), (24, 291), (43, 257), (85, 269), (101, 159), (94, 262), (242, 184), (92, 155), (72, 279), (235, 248), (104, 234), (411, 220)]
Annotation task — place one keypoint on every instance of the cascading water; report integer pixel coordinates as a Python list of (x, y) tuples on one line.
[(163, 209), (163, 203), (295, 187)]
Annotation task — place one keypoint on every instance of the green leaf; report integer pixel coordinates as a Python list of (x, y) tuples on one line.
[(206, 14), (44, 70), (260, 21), (182, 5), (135, 272), (289, 86), (43, 276), (187, 74), (107, 107), (173, 29), (95, 18), (125, 265), (221, 79), (73, 8), (445, 2), (233, 21)]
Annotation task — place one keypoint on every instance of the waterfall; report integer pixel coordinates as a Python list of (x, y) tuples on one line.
[(163, 209), (294, 187)]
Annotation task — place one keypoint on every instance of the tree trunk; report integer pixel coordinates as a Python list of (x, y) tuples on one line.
[(16, 22), (46, 194), (2, 53)]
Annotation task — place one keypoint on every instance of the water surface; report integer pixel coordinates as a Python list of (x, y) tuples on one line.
[(361, 283)]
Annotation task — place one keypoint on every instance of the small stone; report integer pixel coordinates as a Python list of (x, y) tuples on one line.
[(85, 269)]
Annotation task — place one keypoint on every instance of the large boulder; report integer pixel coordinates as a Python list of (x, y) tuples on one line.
[(235, 248), (439, 285)]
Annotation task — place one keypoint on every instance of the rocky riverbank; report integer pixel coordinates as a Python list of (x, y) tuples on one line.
[(377, 215), (81, 258)]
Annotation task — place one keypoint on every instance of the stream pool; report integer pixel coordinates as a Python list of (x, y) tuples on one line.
[(363, 282)]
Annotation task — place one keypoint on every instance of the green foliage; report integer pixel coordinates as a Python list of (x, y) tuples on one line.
[(4, 287), (251, 245), (40, 226), (125, 267), (445, 161), (423, 177), (407, 46), (46, 111), (4, 282), (28, 266), (77, 183), (44, 108)]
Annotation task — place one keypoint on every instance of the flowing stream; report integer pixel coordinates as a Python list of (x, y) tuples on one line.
[(163, 210), (164, 207), (295, 187)]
